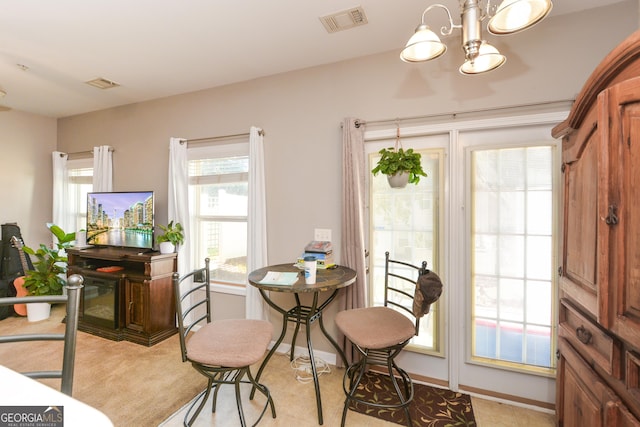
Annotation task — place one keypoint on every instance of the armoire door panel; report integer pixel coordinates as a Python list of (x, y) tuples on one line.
[(584, 396), (624, 108), (580, 225)]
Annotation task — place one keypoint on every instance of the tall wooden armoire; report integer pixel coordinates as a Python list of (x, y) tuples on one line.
[(598, 381)]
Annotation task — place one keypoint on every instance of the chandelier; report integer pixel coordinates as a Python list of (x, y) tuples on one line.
[(510, 17)]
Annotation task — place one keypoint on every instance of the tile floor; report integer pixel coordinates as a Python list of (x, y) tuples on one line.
[(295, 405)]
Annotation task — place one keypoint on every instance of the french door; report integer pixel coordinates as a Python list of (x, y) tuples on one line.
[(484, 220)]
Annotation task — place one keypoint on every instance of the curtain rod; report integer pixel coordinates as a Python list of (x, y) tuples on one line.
[(453, 115), (217, 138), (83, 153)]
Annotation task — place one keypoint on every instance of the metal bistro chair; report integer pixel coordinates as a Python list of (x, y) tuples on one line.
[(72, 300), (380, 333), (223, 350)]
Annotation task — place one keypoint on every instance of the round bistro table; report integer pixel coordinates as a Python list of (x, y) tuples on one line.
[(327, 280)]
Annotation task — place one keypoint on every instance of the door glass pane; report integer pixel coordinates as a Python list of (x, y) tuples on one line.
[(512, 253), (406, 222)]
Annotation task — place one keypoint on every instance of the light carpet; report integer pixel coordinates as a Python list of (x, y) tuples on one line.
[(132, 384)]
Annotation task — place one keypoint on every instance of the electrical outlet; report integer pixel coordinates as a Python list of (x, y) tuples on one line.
[(322, 234)]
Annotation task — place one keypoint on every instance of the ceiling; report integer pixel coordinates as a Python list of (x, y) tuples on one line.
[(159, 48)]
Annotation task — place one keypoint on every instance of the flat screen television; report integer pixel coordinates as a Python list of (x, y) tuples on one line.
[(121, 219)]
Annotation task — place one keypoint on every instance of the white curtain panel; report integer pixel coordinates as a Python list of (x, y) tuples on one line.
[(61, 215), (178, 198), (102, 168), (256, 307)]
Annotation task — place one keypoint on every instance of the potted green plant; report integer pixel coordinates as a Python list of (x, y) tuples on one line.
[(401, 166), (172, 236), (49, 274)]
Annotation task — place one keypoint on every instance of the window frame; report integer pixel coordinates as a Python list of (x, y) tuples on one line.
[(211, 151), (78, 204)]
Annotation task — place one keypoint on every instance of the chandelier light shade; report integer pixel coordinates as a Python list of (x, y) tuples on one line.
[(511, 16), (424, 45), (488, 59)]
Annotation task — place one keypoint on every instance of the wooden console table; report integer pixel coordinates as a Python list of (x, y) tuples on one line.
[(132, 300)]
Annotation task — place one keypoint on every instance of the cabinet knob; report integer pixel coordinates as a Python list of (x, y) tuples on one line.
[(583, 335)]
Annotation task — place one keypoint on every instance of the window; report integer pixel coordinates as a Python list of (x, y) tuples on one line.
[(80, 182), (512, 251), (407, 223), (218, 198)]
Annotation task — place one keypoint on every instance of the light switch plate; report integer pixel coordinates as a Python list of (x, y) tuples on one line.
[(322, 234)]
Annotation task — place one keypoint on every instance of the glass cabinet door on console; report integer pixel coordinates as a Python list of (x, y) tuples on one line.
[(100, 302)]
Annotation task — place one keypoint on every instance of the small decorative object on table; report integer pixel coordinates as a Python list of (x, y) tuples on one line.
[(321, 250), (171, 238)]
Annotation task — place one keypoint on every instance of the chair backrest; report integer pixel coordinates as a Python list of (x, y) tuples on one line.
[(400, 282), (72, 301), (193, 302)]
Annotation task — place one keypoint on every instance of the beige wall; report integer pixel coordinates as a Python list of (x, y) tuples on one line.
[(301, 114), (26, 143)]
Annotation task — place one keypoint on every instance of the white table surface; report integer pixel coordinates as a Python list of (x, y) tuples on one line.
[(19, 390)]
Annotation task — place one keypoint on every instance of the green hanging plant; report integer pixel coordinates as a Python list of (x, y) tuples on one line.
[(393, 161)]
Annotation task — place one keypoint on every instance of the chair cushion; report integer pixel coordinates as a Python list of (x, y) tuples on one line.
[(230, 343), (375, 327)]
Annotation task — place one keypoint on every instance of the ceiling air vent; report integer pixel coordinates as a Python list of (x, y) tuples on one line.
[(101, 83), (344, 20)]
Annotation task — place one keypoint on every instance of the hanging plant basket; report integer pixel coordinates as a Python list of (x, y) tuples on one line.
[(400, 166), (398, 180)]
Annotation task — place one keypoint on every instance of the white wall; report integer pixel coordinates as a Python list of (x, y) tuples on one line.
[(26, 143)]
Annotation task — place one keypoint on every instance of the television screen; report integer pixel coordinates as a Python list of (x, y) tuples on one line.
[(122, 219)]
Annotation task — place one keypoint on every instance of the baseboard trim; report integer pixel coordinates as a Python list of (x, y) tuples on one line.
[(482, 393), (508, 398)]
